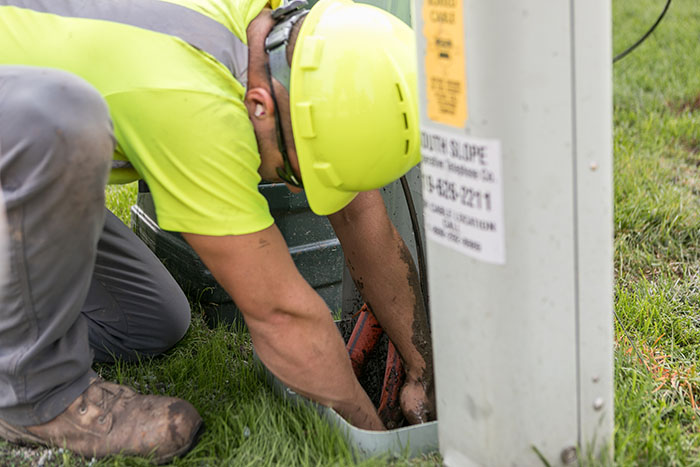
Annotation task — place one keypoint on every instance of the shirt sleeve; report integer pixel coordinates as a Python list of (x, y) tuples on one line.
[(197, 152)]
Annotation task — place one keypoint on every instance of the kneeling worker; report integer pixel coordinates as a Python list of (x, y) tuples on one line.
[(202, 99)]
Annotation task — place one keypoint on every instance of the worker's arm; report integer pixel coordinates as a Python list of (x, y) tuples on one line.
[(385, 274), (290, 325)]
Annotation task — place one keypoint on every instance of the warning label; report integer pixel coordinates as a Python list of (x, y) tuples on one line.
[(446, 85), (463, 194)]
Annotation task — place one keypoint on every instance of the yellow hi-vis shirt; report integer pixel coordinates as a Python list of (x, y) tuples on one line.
[(178, 112)]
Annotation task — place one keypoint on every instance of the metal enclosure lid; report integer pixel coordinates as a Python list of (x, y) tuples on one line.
[(523, 349), (411, 441)]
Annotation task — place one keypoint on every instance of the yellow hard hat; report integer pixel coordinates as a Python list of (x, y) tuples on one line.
[(353, 102)]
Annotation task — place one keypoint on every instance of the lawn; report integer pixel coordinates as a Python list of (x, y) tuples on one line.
[(657, 290), (657, 233)]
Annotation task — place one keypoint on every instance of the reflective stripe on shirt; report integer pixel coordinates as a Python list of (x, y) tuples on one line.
[(198, 30)]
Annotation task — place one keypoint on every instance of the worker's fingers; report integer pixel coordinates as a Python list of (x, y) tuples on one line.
[(417, 403)]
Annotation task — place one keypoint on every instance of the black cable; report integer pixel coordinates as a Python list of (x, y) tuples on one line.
[(644, 37), (423, 273)]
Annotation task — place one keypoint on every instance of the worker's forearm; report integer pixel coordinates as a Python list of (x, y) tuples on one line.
[(306, 352), (386, 276), (290, 324), (392, 289)]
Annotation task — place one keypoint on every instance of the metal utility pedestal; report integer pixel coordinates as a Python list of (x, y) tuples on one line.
[(517, 189)]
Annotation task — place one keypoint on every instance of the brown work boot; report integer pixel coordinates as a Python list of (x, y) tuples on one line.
[(110, 418)]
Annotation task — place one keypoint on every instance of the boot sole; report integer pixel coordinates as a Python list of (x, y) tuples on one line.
[(17, 435), (194, 439)]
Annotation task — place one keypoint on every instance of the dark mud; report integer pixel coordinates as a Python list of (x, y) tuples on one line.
[(372, 378)]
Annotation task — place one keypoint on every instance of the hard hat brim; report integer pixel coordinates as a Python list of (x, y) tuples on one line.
[(322, 199)]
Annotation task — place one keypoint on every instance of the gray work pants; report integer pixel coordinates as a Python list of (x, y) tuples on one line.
[(81, 284)]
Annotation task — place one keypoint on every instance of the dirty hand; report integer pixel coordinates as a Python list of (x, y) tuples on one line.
[(418, 401)]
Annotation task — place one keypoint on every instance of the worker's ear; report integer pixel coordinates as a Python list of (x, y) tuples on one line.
[(259, 103)]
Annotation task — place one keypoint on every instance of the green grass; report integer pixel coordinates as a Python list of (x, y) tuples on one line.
[(657, 290), (120, 198), (246, 423), (657, 235)]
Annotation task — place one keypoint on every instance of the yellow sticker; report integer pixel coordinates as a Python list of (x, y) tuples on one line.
[(446, 83)]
